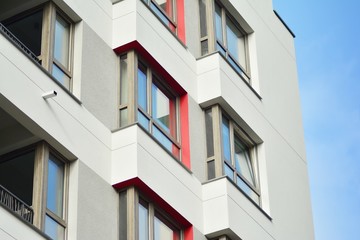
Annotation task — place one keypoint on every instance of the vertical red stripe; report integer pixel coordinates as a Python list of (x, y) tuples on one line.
[(189, 233), (181, 20), (184, 123)]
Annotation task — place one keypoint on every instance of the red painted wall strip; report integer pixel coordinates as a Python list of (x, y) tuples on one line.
[(184, 131), (181, 20)]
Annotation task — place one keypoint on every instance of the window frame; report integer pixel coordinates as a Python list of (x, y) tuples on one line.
[(217, 155)]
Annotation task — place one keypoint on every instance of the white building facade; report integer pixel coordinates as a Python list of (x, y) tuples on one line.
[(150, 119)]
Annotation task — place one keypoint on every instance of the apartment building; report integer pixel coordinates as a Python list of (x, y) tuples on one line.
[(150, 119)]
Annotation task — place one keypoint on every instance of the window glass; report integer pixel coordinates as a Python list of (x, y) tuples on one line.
[(164, 18), (163, 232), (235, 42), (143, 120), (142, 89), (211, 169), (143, 222), (166, 142), (124, 88), (209, 133), (54, 229), (55, 186), (166, 6), (124, 117), (161, 108), (123, 215), (204, 47), (60, 76), (248, 191), (226, 139), (28, 30), (17, 174), (203, 22), (62, 41), (242, 160), (218, 23), (228, 171)]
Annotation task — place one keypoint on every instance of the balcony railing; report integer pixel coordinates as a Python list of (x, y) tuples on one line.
[(6, 32), (16, 205)]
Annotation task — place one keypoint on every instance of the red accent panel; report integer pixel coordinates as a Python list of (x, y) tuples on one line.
[(184, 131), (189, 233), (152, 63), (161, 203), (181, 20)]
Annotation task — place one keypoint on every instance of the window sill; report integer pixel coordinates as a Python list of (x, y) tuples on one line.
[(245, 195), (157, 142)]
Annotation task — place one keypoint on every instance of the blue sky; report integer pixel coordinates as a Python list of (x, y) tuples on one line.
[(328, 57)]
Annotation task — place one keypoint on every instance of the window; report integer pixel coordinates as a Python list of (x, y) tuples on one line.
[(157, 108), (163, 229), (151, 222), (165, 10), (28, 173), (53, 50), (155, 104), (237, 157), (229, 38), (171, 14)]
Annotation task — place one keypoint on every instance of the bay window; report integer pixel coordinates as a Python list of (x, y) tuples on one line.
[(236, 156), (155, 104), (219, 31)]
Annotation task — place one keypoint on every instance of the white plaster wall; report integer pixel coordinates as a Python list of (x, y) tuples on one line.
[(142, 157), (156, 39), (61, 121), (96, 13)]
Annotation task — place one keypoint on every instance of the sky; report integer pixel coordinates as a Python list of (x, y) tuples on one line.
[(328, 57)]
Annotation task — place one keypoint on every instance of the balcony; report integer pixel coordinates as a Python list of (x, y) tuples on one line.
[(14, 204)]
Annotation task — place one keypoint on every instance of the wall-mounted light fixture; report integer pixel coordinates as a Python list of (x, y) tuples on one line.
[(49, 94)]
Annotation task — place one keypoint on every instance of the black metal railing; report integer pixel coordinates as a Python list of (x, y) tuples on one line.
[(18, 43), (16, 205)]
